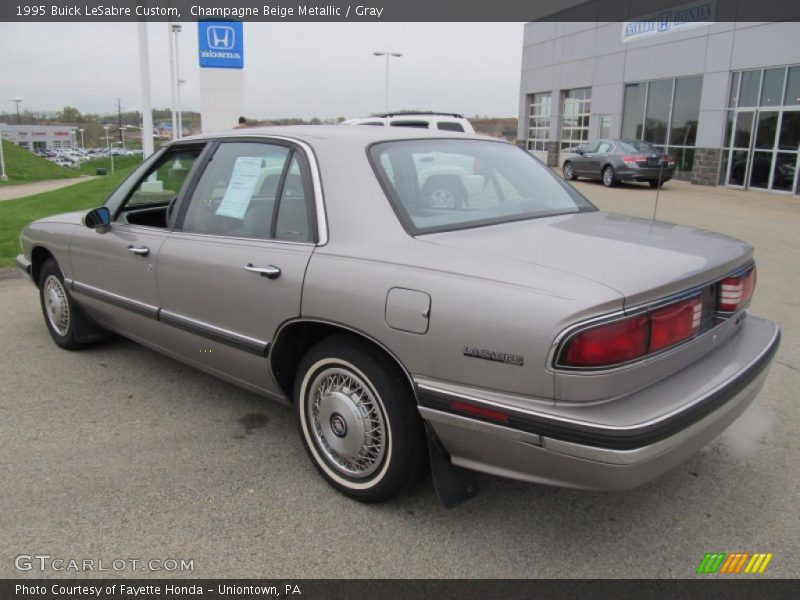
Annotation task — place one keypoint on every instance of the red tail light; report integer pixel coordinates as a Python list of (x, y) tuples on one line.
[(610, 344), (633, 337), (674, 323), (668, 159), (735, 292), (630, 160)]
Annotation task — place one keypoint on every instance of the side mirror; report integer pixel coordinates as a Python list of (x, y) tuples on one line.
[(97, 218), (579, 150)]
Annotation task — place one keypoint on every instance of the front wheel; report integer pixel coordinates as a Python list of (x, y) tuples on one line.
[(358, 420), (569, 171), (57, 307), (609, 179)]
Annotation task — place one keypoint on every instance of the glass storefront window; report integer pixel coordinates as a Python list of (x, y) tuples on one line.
[(633, 111), (685, 111), (538, 120), (744, 128), (666, 113), (733, 94), (789, 138), (772, 89), (659, 97), (751, 80), (575, 112), (766, 128), (793, 86), (784, 170)]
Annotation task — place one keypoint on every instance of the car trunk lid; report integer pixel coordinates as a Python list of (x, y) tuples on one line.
[(641, 259)]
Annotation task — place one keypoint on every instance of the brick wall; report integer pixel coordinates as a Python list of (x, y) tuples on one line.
[(705, 170), (552, 153)]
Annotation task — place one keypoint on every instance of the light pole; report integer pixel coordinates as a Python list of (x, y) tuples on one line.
[(180, 111), (387, 54), (108, 146), (3, 176), (122, 131), (81, 130), (174, 30)]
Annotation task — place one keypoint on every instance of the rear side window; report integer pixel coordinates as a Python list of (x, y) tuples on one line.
[(253, 190), (418, 124), (450, 126)]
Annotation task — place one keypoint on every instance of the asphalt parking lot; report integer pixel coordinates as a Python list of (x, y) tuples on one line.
[(116, 452)]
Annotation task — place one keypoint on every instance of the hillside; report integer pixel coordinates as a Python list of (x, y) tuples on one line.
[(25, 167)]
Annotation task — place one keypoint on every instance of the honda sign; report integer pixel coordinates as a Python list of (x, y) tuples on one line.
[(220, 44)]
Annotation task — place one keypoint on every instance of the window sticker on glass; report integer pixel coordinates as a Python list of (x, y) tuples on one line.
[(240, 189)]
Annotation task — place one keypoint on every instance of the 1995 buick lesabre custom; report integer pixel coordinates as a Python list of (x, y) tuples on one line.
[(418, 298)]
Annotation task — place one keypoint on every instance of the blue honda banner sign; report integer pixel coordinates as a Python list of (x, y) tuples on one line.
[(220, 44)]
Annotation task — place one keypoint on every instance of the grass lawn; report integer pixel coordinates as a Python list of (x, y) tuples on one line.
[(120, 163), (25, 167), (15, 214)]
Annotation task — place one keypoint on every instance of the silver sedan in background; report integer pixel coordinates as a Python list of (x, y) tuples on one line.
[(419, 298)]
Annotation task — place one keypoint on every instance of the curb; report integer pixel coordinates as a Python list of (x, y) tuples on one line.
[(10, 273)]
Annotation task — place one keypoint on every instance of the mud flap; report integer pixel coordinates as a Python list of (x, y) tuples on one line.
[(453, 484)]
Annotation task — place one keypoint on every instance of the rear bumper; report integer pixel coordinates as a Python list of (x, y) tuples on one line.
[(25, 266), (645, 173), (601, 454)]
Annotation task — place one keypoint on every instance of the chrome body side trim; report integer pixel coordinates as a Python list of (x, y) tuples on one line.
[(142, 308), (212, 332)]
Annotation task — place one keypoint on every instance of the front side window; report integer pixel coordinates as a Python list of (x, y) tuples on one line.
[(149, 200), (253, 190), (442, 185)]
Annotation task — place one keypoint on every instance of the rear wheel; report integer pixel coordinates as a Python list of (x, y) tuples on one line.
[(569, 171), (358, 420), (655, 183), (609, 178)]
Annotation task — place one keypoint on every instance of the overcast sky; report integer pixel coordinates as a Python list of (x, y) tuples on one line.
[(291, 69)]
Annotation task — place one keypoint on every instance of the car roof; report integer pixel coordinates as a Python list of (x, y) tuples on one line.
[(355, 135)]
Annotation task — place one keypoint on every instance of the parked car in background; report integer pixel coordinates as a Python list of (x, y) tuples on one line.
[(419, 120), (612, 161), (519, 332)]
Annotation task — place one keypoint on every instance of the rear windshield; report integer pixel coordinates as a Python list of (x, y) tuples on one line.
[(637, 146), (443, 185)]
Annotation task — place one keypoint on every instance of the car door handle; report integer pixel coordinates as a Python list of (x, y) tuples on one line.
[(270, 271), (140, 250)]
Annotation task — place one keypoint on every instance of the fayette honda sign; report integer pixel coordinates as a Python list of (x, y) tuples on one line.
[(220, 44)]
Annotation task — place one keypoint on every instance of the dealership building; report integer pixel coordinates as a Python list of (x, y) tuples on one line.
[(722, 98), (38, 138)]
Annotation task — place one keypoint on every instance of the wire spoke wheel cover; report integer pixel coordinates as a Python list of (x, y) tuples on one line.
[(56, 305), (346, 420)]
